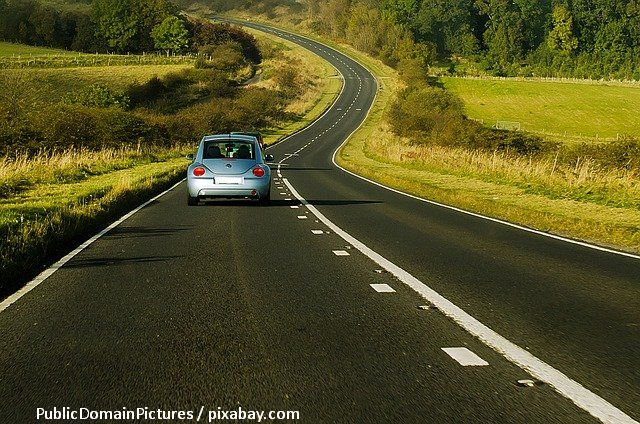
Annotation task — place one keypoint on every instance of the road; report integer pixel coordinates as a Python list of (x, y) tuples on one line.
[(285, 307)]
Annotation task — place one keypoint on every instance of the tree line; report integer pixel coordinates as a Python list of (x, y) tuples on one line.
[(582, 38), (119, 26), (561, 38)]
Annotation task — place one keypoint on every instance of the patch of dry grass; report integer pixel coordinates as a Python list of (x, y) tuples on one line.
[(45, 218), (18, 174)]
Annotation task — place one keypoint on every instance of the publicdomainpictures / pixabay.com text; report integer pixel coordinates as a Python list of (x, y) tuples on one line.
[(149, 414)]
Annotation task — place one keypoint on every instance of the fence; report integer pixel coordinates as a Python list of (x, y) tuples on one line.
[(616, 82), (91, 60)]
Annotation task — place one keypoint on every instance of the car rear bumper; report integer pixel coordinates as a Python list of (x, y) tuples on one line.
[(203, 188)]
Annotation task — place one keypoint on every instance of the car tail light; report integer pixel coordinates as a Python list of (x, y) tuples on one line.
[(258, 172), (198, 172)]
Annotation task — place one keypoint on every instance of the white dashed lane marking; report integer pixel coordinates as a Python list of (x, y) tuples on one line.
[(302, 216), (465, 357), (341, 253), (578, 394), (382, 288), (317, 232)]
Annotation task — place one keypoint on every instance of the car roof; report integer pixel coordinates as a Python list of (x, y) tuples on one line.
[(229, 137), (252, 133)]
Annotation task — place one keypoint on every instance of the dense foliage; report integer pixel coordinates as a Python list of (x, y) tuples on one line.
[(567, 38), (582, 38), (175, 109), (121, 26)]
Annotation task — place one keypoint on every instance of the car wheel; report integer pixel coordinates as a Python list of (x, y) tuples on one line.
[(193, 201), (266, 200)]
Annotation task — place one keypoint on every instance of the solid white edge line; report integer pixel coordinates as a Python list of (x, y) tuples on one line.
[(572, 390), (56, 266)]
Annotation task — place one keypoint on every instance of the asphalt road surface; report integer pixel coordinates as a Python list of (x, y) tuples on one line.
[(231, 305)]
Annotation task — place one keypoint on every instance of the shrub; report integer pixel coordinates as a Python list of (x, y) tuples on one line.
[(288, 81), (98, 95), (513, 141), (142, 94), (431, 115), (624, 153), (417, 111), (74, 125), (227, 56), (206, 34)]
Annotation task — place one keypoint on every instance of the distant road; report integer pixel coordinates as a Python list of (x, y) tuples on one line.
[(283, 307)]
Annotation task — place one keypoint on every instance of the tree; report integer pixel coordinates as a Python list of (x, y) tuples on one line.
[(45, 24), (401, 11), (116, 22), (3, 14), (449, 25), (170, 35), (505, 33), (561, 36), (150, 14), (85, 39)]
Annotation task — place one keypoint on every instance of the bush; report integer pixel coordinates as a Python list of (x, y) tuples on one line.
[(622, 154), (288, 81), (143, 94), (513, 141), (74, 125), (417, 111), (431, 115), (98, 95)]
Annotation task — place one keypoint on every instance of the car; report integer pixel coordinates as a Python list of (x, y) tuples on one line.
[(229, 166), (255, 134)]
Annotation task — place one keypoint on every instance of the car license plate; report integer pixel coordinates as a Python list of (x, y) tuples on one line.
[(229, 180)]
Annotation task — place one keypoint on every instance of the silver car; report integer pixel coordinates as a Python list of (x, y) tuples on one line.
[(229, 166)]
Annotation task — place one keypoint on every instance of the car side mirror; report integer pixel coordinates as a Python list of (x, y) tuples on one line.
[(190, 157), (269, 158)]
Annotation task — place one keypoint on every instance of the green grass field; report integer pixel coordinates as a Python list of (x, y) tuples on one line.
[(53, 84), (11, 49), (578, 111), (20, 56)]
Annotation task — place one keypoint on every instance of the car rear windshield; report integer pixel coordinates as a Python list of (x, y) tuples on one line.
[(229, 149)]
